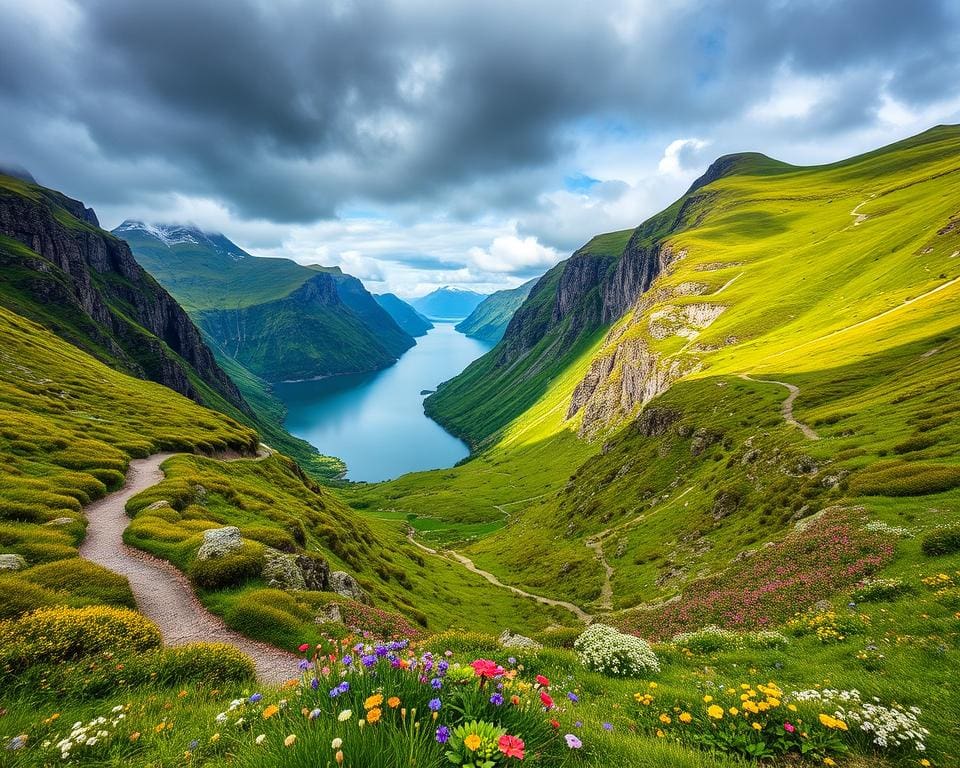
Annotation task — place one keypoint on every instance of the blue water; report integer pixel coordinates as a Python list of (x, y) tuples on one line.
[(375, 421)]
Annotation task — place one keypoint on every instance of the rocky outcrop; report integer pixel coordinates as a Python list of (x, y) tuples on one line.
[(12, 562), (218, 542), (282, 570), (509, 640), (344, 584), (117, 307)]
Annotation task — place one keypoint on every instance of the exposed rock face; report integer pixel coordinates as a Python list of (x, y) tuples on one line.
[(509, 640), (330, 613), (344, 584), (12, 562), (61, 521), (280, 570), (316, 572), (92, 273), (218, 542)]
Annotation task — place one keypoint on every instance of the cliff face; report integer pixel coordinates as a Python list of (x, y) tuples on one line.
[(94, 279)]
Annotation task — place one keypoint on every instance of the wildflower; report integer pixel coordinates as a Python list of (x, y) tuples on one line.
[(343, 687), (339, 757), (607, 726), (373, 701), (546, 700), (436, 683), (18, 742), (789, 728), (260, 739), (572, 741), (336, 743), (707, 699), (554, 724), (270, 711), (314, 714), (543, 681), (511, 746), (496, 699), (665, 719), (345, 715), (393, 702), (443, 733), (685, 717), (135, 736), (734, 711), (373, 715), (486, 668), (573, 697), (828, 761), (515, 700), (756, 726), (715, 711), (255, 698), (289, 741), (434, 704), (215, 738), (833, 723), (304, 647), (472, 742)]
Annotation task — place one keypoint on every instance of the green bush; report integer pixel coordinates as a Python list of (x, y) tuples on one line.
[(905, 479), (83, 579), (558, 637), (942, 541), (52, 635), (272, 537), (707, 640), (18, 597), (210, 663), (230, 570), (265, 621), (879, 590), (915, 443)]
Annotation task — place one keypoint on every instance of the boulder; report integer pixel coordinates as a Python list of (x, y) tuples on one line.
[(61, 521), (12, 562), (162, 504), (281, 570), (218, 542), (344, 584), (329, 614), (509, 640), (316, 572)]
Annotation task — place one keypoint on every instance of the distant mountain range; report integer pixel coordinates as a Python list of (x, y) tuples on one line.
[(403, 314), (489, 321), (448, 303)]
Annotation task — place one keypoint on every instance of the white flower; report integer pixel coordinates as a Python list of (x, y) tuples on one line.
[(260, 739), (345, 715), (336, 743), (221, 718)]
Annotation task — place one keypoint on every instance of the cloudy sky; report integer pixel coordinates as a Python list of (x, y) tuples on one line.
[(421, 143)]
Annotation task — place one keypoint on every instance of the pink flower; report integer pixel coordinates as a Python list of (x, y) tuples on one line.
[(304, 647), (789, 728), (486, 668), (545, 698), (543, 681)]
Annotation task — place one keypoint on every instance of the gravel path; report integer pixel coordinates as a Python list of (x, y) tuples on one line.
[(787, 407), (163, 594)]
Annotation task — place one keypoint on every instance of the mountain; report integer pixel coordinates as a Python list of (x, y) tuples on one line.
[(403, 314), (447, 303), (251, 307), (488, 322), (64, 272)]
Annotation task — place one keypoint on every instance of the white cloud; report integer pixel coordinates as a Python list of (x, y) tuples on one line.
[(680, 155), (509, 253)]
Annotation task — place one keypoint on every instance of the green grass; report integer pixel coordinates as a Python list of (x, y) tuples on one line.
[(492, 316)]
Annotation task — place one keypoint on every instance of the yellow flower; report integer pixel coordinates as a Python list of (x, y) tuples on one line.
[(472, 742), (734, 711), (215, 738), (792, 707), (270, 711), (373, 701), (708, 698), (665, 719), (925, 763), (756, 726), (660, 734), (831, 722), (393, 702), (653, 685), (288, 742), (373, 715), (685, 717), (715, 711), (828, 761)]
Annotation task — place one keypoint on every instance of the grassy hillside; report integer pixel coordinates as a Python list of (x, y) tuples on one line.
[(490, 319)]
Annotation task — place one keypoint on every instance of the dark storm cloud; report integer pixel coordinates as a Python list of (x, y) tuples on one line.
[(290, 109)]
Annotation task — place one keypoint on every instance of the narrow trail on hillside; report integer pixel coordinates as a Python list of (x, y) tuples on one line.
[(786, 408), (467, 563), (163, 594), (506, 515)]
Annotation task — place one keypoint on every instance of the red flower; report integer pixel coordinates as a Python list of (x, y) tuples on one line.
[(545, 698), (511, 746), (554, 723), (486, 668), (304, 647), (543, 681)]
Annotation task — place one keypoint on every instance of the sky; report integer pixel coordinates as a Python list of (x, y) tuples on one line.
[(421, 143)]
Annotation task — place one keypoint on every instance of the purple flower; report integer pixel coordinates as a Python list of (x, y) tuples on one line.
[(578, 724), (347, 660), (511, 661), (315, 683), (343, 687), (573, 742), (380, 650), (434, 704), (304, 665), (436, 683), (193, 744), (443, 733), (608, 726), (369, 660), (496, 699), (573, 697), (442, 666), (255, 698), (334, 692)]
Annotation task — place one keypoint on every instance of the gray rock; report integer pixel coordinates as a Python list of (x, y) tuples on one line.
[(316, 572), (281, 570), (344, 584), (12, 562), (509, 640), (218, 542), (61, 521), (329, 614), (162, 504)]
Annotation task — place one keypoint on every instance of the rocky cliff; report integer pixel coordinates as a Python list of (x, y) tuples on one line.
[(62, 270)]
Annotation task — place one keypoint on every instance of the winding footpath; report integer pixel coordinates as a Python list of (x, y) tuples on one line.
[(163, 594), (467, 563), (786, 407)]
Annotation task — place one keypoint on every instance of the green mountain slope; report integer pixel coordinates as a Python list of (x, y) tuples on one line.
[(403, 314), (490, 319), (447, 303)]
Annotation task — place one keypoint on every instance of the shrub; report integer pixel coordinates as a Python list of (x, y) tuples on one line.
[(558, 637), (18, 597), (51, 635), (230, 570), (877, 590), (272, 537), (211, 663), (905, 479), (604, 649), (265, 622), (710, 639), (766, 639), (83, 579), (829, 626), (942, 541)]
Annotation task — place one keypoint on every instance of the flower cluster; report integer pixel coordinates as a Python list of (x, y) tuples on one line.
[(84, 738), (605, 649), (712, 639), (829, 626), (876, 590), (888, 727)]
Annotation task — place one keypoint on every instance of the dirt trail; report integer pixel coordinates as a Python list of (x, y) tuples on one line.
[(467, 563), (787, 407), (606, 591), (163, 594)]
